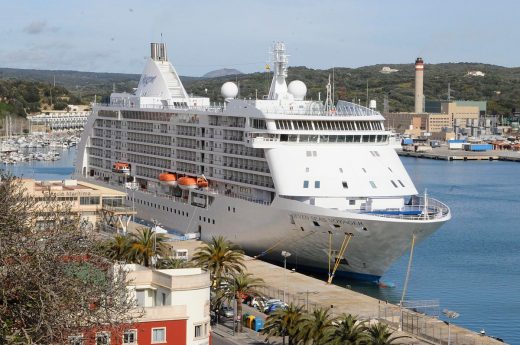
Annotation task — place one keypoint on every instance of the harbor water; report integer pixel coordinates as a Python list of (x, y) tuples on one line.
[(471, 265)]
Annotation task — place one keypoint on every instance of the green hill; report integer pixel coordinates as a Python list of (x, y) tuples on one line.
[(500, 86)]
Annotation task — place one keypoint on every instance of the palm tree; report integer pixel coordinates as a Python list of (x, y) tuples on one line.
[(240, 285), (317, 327), (220, 257), (379, 334), (145, 244), (118, 248), (348, 331), (284, 322)]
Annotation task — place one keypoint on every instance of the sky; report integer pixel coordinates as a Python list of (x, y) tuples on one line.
[(114, 36)]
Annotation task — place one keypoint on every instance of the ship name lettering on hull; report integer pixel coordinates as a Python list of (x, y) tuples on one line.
[(327, 219)]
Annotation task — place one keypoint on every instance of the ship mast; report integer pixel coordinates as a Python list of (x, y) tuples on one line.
[(278, 88)]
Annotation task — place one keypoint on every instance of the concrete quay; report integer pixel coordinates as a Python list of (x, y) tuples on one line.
[(461, 155), (311, 293)]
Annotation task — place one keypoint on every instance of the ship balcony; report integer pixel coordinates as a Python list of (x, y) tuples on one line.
[(261, 142), (417, 208)]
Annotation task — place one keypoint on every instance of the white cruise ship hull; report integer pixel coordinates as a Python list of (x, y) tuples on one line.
[(368, 255)]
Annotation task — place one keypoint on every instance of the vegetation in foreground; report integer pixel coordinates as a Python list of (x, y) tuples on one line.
[(53, 280), (319, 327)]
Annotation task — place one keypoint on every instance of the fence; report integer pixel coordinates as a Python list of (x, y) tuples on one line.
[(423, 327), (428, 328)]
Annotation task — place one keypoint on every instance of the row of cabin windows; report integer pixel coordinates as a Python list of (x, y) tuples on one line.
[(129, 337), (333, 138), (345, 184), (209, 220), (305, 125), (157, 206)]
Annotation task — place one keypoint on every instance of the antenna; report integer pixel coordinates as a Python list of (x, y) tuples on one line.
[(386, 109), (367, 94), (333, 86), (329, 105)]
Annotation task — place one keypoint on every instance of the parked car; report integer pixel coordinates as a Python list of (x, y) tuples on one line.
[(258, 303), (226, 311), (276, 306), (271, 302)]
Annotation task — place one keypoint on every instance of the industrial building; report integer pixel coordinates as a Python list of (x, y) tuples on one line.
[(54, 121), (439, 119)]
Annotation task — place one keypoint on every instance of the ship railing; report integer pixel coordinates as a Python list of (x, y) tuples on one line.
[(247, 198), (415, 209), (210, 108)]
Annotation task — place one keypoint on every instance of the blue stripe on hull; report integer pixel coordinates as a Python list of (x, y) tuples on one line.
[(358, 276), (322, 273)]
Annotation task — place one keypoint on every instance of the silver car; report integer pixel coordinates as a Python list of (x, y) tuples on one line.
[(226, 311)]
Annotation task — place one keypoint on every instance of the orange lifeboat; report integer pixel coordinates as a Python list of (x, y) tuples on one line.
[(187, 182), (168, 178), (121, 168), (202, 182)]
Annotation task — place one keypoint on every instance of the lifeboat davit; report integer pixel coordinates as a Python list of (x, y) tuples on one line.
[(168, 178), (202, 182), (187, 182), (121, 168)]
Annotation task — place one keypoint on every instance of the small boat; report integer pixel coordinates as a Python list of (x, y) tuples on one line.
[(168, 178), (202, 182), (121, 168), (187, 182)]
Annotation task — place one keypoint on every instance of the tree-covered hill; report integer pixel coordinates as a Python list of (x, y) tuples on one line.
[(21, 97), (500, 86)]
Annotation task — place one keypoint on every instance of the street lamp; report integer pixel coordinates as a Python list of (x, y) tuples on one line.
[(285, 255), (154, 234), (450, 314)]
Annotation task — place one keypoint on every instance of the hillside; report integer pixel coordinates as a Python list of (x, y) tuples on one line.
[(500, 86), (21, 97)]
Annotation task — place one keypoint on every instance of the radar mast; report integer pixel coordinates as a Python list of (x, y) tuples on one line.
[(278, 88)]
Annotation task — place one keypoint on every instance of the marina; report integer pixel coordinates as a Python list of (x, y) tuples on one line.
[(38, 147)]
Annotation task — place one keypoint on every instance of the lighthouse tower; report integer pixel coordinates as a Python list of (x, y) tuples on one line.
[(419, 81)]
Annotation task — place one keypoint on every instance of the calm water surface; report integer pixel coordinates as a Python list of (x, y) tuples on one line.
[(472, 264)]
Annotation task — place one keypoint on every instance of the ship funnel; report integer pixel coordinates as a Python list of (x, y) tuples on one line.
[(158, 52)]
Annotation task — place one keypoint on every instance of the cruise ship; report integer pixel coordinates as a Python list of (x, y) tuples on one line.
[(314, 178)]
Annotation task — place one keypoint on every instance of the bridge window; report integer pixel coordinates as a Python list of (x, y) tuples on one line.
[(345, 184), (395, 184), (402, 184), (305, 184), (373, 184), (316, 184)]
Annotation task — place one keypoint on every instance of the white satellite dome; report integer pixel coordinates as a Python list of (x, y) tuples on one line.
[(298, 89), (229, 90)]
